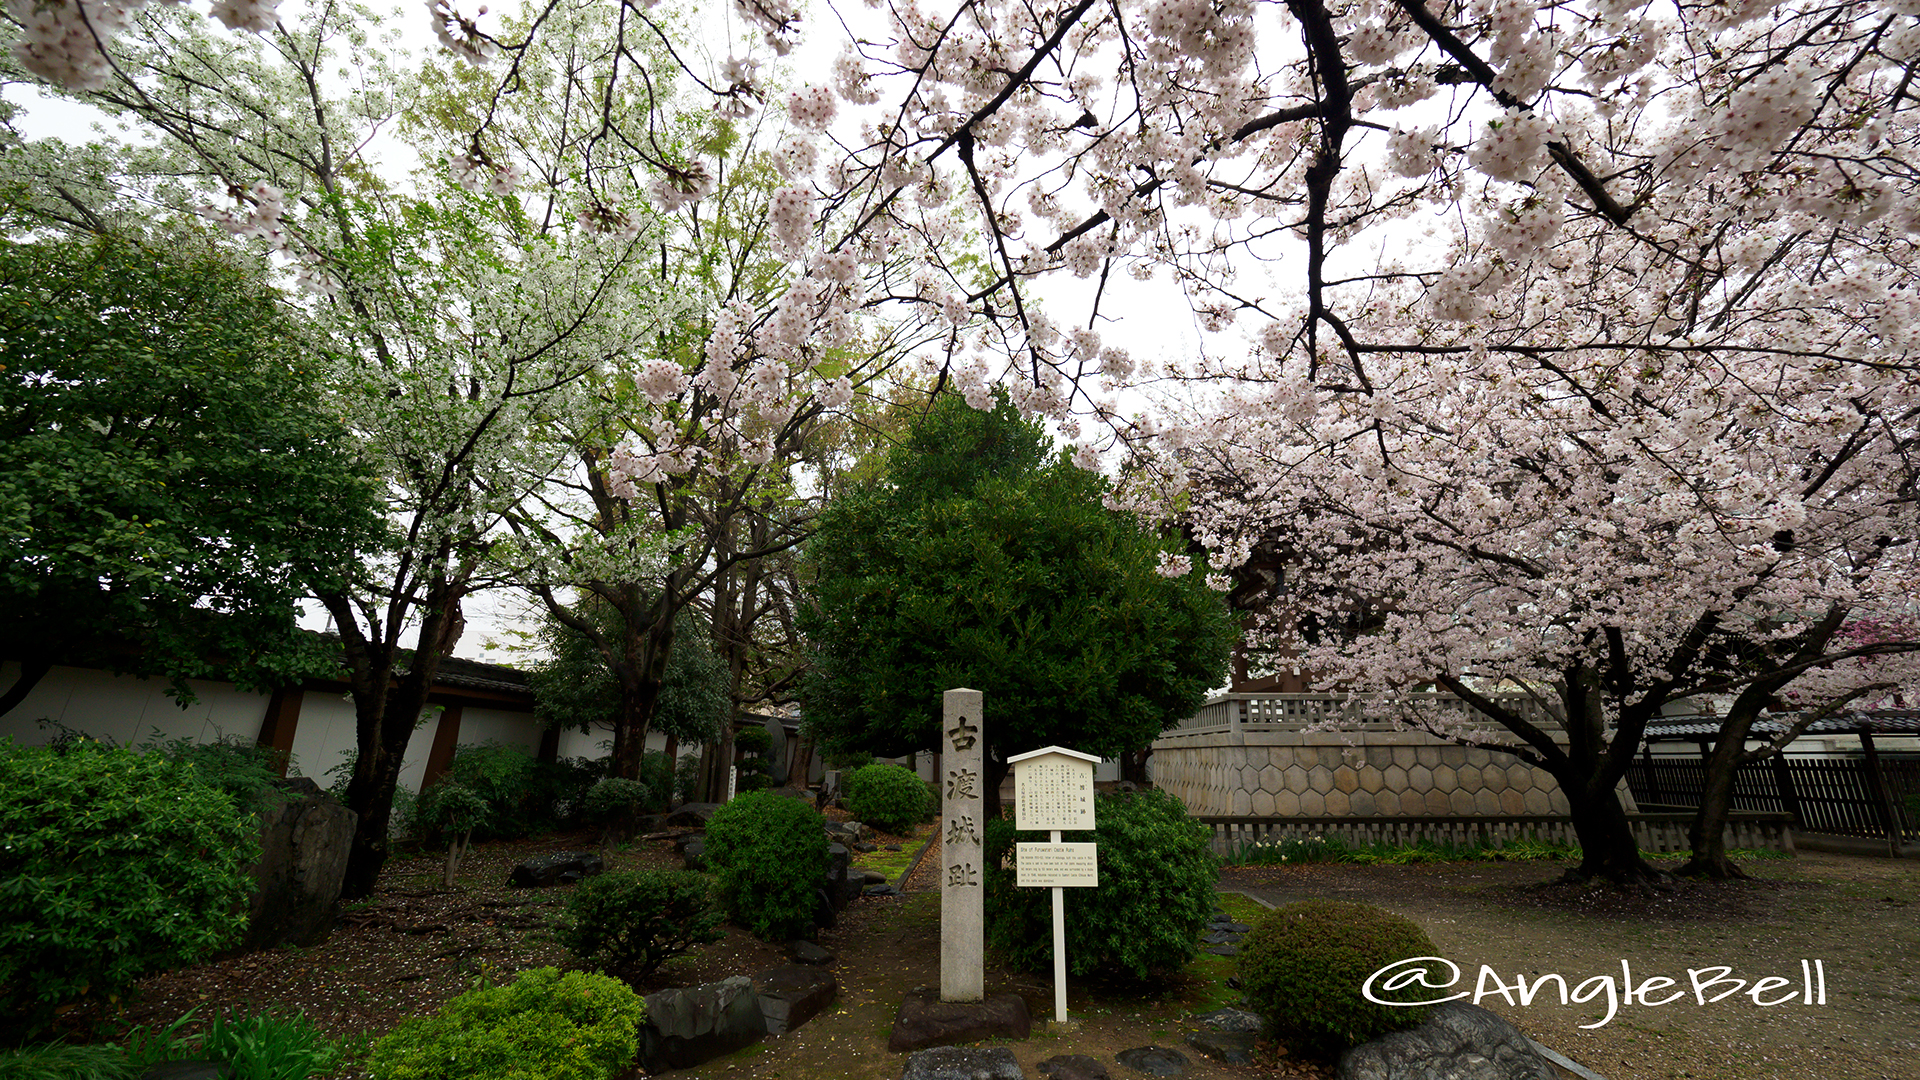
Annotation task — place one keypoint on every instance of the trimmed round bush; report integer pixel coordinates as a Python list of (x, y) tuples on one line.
[(887, 797), (113, 865), (614, 801), (1155, 896), (545, 1025), (768, 855), (752, 740), (1302, 967), (633, 921)]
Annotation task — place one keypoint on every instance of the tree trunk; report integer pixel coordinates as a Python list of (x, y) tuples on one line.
[(31, 672), (1133, 767), (1607, 848), (1707, 836)]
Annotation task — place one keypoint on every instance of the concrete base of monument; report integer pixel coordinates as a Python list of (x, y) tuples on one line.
[(924, 1020)]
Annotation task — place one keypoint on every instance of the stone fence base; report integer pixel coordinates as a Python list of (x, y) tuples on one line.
[(1654, 832)]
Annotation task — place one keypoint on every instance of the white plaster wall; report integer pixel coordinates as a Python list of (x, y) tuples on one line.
[(125, 709)]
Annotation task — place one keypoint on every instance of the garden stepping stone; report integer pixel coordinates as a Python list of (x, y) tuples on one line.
[(1232, 1047), (807, 952), (688, 1026), (1073, 1067), (882, 890), (1458, 1042), (1219, 938), (693, 853), (956, 1063), (1229, 1019), (924, 1020), (1222, 950), (188, 1070), (1154, 1060), (873, 877), (791, 995), (558, 868)]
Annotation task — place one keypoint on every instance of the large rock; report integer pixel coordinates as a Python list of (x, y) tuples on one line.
[(1154, 1060), (791, 995), (924, 1020), (954, 1063), (1073, 1067), (559, 868), (688, 1026), (1458, 1042), (843, 883), (305, 835), (1232, 1047), (848, 832), (693, 815)]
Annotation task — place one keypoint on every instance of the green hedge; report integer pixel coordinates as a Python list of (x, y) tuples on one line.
[(542, 1026)]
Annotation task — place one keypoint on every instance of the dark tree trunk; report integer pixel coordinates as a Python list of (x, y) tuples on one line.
[(32, 670), (1707, 836), (1133, 766), (1608, 850)]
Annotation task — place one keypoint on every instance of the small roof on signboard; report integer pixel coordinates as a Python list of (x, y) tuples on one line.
[(1015, 759)]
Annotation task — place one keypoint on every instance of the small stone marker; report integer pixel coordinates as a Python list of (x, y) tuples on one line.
[(962, 896), (1053, 790)]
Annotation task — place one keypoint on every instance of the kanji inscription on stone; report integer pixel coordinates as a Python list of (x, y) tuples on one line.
[(962, 900)]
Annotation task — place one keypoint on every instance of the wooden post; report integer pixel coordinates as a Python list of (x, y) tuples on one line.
[(1882, 795)]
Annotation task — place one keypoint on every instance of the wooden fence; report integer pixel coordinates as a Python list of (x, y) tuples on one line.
[(1821, 794), (1655, 832)]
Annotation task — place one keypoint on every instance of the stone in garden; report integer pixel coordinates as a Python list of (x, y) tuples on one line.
[(794, 793), (693, 815), (1219, 937), (807, 952), (688, 1026), (843, 884), (693, 853), (848, 832), (954, 1063), (305, 835), (1154, 1060), (791, 995), (924, 1020), (872, 877), (891, 847), (188, 1070), (558, 868), (1232, 1047), (1222, 950), (1073, 1067), (824, 913), (1458, 1042), (883, 890), (864, 848), (1232, 927), (1230, 1019)]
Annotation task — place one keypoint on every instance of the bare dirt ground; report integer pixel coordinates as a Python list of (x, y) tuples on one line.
[(415, 945)]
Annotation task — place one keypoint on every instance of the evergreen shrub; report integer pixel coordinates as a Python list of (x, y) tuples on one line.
[(1303, 965), (633, 921), (888, 797), (113, 865), (1155, 896), (768, 855), (542, 1026)]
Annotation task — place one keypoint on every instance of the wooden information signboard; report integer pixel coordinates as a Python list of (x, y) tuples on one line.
[(1053, 790)]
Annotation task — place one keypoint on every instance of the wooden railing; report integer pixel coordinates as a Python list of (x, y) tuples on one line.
[(1293, 712), (1655, 832)]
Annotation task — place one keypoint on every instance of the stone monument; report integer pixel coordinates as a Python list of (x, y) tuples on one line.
[(962, 895)]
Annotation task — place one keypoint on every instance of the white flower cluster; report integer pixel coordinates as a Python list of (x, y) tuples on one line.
[(661, 380), (743, 95), (678, 187), (791, 218), (779, 20), (60, 40), (604, 220), (461, 35), (1510, 150), (256, 16), (258, 215), (812, 108), (477, 172)]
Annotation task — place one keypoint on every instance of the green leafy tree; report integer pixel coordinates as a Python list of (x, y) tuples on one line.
[(984, 560), (575, 688), (168, 488)]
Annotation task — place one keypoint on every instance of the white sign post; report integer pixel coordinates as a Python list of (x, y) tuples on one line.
[(1053, 790), (963, 906)]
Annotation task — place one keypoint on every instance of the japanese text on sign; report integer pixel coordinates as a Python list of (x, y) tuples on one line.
[(1053, 792)]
